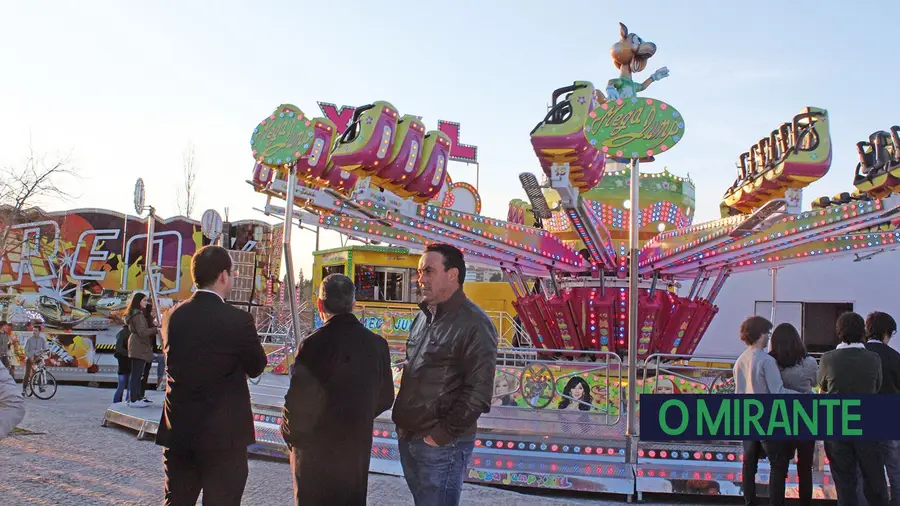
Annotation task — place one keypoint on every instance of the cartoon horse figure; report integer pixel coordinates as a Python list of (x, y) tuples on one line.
[(630, 55)]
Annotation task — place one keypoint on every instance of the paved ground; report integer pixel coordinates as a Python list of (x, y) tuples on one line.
[(72, 460)]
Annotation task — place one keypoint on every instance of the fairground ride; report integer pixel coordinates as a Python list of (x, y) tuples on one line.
[(609, 248)]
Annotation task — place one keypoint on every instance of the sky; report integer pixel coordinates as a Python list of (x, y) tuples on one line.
[(121, 88)]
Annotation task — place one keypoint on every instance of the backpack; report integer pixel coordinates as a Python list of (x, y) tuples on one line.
[(122, 342)]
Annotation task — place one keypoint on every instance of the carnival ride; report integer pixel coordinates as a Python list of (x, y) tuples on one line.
[(609, 248), (596, 259)]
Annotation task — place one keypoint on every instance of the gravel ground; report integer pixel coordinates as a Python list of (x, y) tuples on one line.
[(72, 460)]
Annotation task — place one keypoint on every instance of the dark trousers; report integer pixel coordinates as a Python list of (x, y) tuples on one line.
[(777, 453), (29, 371), (804, 451), (336, 478), (135, 390), (844, 457), (145, 378), (220, 474)]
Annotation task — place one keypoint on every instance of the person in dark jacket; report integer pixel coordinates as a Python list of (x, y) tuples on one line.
[(880, 328), (340, 382), (124, 370), (211, 347), (851, 369), (140, 347), (447, 382)]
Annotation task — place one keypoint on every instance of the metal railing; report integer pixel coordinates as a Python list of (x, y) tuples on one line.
[(686, 367)]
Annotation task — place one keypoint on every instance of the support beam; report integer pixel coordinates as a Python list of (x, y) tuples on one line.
[(631, 430)]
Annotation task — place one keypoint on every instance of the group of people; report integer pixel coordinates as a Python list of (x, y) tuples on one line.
[(776, 362), (341, 381), (136, 349)]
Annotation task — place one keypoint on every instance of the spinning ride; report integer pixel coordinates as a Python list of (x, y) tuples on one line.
[(596, 258)]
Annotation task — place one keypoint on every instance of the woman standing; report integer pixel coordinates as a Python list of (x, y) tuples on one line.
[(140, 347), (798, 371)]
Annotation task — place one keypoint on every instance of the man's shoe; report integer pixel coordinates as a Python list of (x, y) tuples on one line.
[(139, 404)]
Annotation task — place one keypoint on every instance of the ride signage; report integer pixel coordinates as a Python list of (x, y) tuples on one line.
[(343, 116), (634, 127), (283, 137)]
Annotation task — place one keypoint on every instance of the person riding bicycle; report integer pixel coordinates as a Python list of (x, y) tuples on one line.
[(35, 347)]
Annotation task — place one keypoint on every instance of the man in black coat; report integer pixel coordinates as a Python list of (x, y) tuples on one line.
[(207, 424), (881, 327), (851, 369), (340, 382)]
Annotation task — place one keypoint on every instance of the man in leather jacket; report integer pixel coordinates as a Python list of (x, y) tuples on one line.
[(447, 382)]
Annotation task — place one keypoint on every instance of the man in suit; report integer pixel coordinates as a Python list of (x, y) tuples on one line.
[(340, 382), (210, 348), (851, 369), (880, 328)]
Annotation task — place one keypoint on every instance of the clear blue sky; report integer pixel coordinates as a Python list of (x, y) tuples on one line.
[(123, 87)]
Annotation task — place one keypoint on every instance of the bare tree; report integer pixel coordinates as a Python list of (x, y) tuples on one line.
[(187, 195), (25, 187)]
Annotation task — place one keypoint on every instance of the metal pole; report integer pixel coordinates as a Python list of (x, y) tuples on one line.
[(148, 264), (477, 176), (317, 238), (288, 257), (633, 300), (774, 273)]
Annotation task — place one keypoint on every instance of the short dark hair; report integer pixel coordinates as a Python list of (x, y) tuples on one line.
[(851, 328), (338, 294), (753, 328), (208, 263), (3, 323), (453, 258), (787, 347), (878, 325)]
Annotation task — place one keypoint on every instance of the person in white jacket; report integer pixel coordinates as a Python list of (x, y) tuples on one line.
[(12, 405)]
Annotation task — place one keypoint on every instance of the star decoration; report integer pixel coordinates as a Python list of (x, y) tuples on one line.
[(369, 120)]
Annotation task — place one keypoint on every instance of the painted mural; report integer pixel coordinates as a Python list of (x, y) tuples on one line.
[(75, 269)]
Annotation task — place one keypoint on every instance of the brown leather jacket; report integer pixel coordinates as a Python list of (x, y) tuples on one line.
[(448, 378)]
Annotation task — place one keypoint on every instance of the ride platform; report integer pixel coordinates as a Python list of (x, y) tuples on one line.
[(535, 448)]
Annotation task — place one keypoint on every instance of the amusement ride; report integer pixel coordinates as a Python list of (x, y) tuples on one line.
[(614, 284)]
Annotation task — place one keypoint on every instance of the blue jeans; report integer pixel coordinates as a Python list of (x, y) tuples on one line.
[(435, 474), (160, 367), (134, 385), (120, 389)]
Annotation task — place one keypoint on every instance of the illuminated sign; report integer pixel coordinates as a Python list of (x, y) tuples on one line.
[(343, 116)]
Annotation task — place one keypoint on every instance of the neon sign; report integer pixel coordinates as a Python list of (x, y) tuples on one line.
[(459, 152)]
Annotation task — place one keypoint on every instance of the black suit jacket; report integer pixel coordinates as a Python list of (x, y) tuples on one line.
[(890, 367), (340, 382), (210, 348), (850, 371)]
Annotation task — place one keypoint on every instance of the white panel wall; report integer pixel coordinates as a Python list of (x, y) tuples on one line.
[(870, 285)]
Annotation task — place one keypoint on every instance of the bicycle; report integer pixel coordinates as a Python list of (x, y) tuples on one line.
[(42, 384)]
